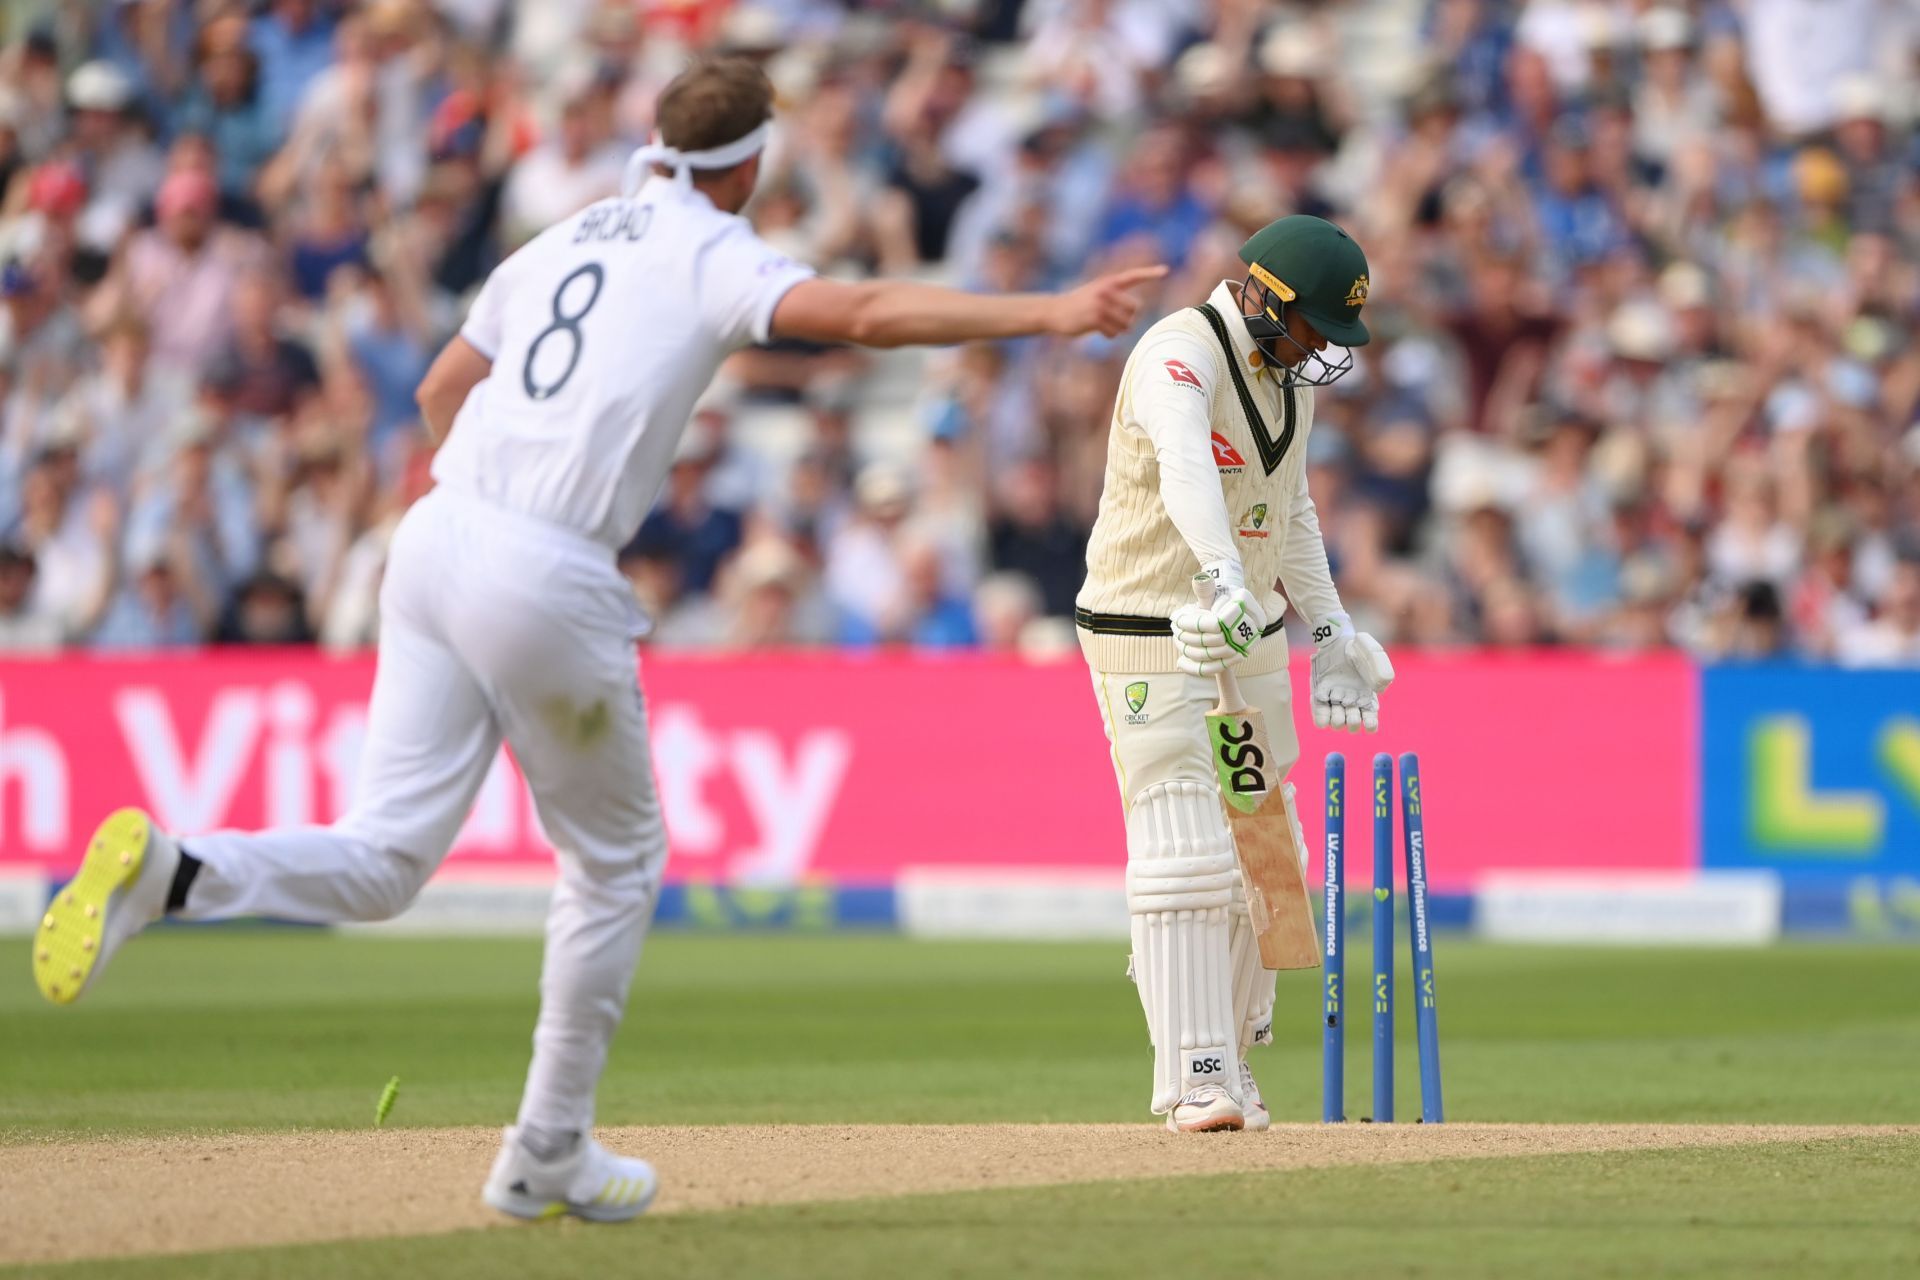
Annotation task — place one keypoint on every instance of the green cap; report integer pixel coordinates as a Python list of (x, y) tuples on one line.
[(1317, 267)]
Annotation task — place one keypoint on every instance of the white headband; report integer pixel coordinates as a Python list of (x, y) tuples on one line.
[(685, 162)]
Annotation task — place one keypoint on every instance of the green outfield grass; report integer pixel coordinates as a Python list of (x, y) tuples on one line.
[(224, 1030), (199, 1030)]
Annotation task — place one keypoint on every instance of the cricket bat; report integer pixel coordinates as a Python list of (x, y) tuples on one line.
[(1263, 830)]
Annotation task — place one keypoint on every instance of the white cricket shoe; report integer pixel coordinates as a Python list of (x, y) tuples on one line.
[(1206, 1109), (1251, 1105), (120, 889), (588, 1182)]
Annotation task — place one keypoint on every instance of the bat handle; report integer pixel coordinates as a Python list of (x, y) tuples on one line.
[(1231, 700), (1204, 590)]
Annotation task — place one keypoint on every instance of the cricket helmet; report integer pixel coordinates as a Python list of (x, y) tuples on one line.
[(1305, 264)]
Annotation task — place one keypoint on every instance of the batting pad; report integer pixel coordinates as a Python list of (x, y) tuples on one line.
[(1253, 982), (1181, 879)]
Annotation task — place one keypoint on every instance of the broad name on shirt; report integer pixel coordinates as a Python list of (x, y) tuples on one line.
[(614, 220)]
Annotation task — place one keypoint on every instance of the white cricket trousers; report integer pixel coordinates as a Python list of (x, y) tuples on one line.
[(492, 625)]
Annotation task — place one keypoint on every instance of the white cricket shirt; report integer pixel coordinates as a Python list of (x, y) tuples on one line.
[(603, 331)]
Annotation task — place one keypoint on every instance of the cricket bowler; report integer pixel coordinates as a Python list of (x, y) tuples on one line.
[(1206, 470), (503, 617)]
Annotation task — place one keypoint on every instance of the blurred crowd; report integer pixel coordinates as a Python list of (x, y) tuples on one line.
[(1644, 289)]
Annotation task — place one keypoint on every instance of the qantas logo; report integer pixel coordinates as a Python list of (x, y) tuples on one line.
[(1226, 457), (1186, 377)]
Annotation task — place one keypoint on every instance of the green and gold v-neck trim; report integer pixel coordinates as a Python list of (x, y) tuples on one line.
[(1271, 451)]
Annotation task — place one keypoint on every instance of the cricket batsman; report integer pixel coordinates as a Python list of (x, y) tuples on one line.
[(558, 408), (1206, 470)]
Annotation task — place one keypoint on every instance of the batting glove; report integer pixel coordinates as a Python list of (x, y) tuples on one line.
[(1212, 638), (1350, 672)]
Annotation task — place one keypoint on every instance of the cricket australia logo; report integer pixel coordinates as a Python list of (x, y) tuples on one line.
[(1136, 699), (1253, 524), (1226, 457)]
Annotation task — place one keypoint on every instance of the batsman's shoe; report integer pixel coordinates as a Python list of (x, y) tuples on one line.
[(121, 888), (588, 1182), (1251, 1105), (1207, 1109)]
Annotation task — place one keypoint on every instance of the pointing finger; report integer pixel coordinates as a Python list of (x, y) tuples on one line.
[(1137, 275)]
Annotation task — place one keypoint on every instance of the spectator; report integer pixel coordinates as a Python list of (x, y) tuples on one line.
[(1156, 206), (42, 343), (338, 120), (1578, 222), (837, 185), (765, 601), (1293, 113), (34, 77), (226, 103), (267, 610), (179, 277), (154, 610), (933, 150), (293, 43), (1030, 534), (688, 526), (1004, 606), (118, 160), (328, 234), (924, 195), (1565, 33), (1097, 52), (316, 518), (1825, 603), (815, 504), (1673, 103), (1504, 330), (272, 371), (1877, 177), (347, 612), (200, 507), (865, 579), (1892, 638), (24, 628), (1752, 543), (579, 164), (653, 572), (388, 349), (1800, 50), (933, 615), (118, 412), (72, 540)]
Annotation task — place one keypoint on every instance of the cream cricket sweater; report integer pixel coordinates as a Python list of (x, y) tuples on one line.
[(1190, 480)]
